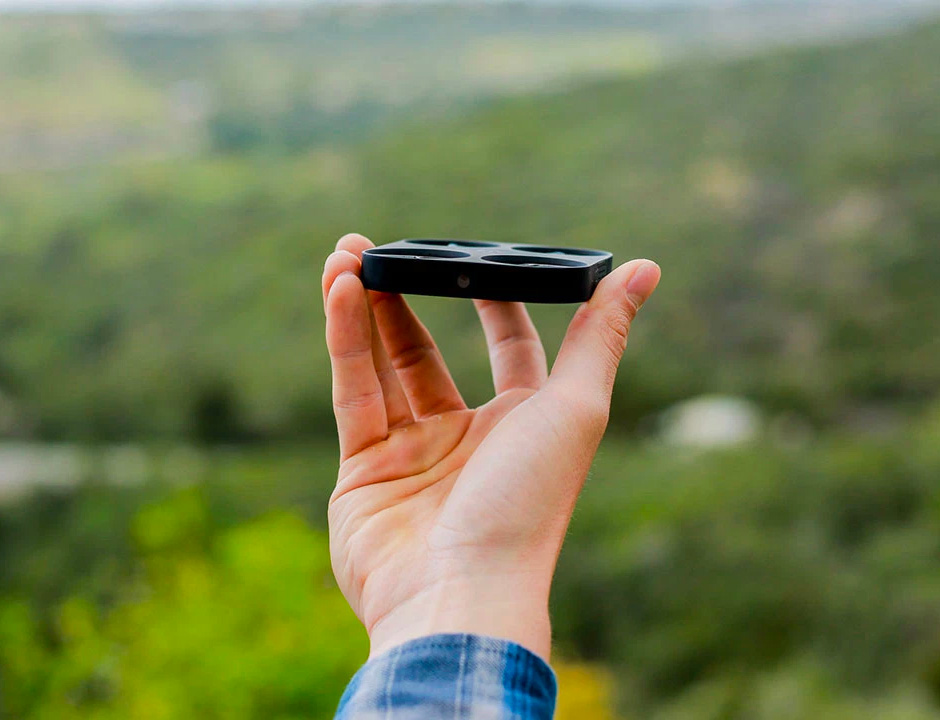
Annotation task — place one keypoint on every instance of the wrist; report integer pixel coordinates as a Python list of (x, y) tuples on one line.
[(511, 608)]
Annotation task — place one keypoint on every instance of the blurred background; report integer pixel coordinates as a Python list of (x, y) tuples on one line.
[(760, 536)]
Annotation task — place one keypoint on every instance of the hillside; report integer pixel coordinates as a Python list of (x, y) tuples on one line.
[(792, 199), (93, 87)]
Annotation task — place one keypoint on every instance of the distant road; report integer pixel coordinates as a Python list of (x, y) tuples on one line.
[(26, 466)]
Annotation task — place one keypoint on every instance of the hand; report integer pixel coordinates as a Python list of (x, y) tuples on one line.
[(446, 518)]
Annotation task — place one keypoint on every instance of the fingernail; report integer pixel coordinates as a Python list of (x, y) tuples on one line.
[(644, 281)]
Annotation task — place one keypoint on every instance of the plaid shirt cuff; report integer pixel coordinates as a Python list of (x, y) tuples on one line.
[(452, 676)]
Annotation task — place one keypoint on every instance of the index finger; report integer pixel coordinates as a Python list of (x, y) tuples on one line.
[(358, 400)]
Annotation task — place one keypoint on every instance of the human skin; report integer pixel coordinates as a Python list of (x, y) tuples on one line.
[(449, 519)]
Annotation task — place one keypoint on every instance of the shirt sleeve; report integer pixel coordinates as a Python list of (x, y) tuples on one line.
[(465, 677)]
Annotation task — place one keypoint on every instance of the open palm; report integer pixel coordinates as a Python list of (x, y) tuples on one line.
[(449, 519)]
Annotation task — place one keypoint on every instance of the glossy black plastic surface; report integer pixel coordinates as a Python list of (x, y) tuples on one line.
[(485, 270)]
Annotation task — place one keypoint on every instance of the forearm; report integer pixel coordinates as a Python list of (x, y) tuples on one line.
[(511, 606)]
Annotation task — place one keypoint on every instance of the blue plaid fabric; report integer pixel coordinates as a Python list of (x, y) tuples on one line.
[(464, 677)]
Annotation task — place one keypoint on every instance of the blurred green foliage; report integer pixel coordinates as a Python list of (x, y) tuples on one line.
[(793, 200), (158, 84), (245, 623), (697, 573), (760, 582)]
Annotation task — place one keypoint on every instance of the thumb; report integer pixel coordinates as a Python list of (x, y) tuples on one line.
[(587, 362)]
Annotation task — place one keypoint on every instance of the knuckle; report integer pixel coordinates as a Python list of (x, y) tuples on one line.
[(588, 412), (590, 418), (411, 356), (508, 342), (355, 402), (616, 330), (631, 306), (352, 353)]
